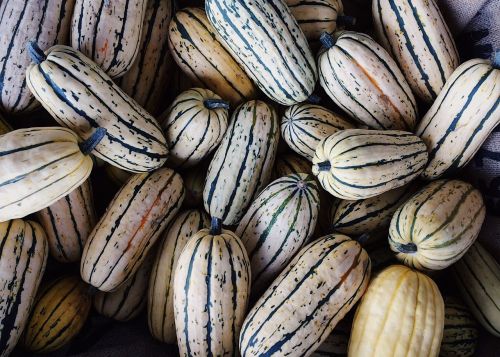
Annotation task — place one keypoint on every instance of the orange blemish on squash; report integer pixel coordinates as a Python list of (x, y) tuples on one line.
[(104, 48)]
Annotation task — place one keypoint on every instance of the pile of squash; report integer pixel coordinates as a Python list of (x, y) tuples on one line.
[(277, 171)]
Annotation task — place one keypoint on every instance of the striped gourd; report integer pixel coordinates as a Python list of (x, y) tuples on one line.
[(290, 164), (46, 22), (58, 316), (194, 125), (38, 166), (109, 32), (23, 255), (401, 314), (131, 225), (211, 289), (80, 96), (196, 48), (277, 224), (147, 79), (364, 81), (266, 40), (477, 276), (462, 117), (242, 164), (304, 125), (369, 215), (118, 176), (336, 343), (460, 331), (307, 300), (161, 283), (417, 36), (436, 226), (68, 222), (128, 301), (4, 126), (357, 164), (194, 181)]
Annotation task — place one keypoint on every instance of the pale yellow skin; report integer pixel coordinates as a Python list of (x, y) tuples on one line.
[(401, 314)]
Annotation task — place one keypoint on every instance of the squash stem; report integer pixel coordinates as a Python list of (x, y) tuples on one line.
[(35, 52), (216, 226), (347, 21), (327, 40), (325, 166), (215, 104), (407, 248), (88, 145), (314, 99), (496, 59)]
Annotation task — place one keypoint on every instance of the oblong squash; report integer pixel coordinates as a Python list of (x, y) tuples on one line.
[(415, 33), (39, 166), (80, 96), (266, 40), (194, 125), (460, 331), (364, 81), (462, 117), (357, 164), (131, 225), (109, 32), (242, 164), (398, 297), (304, 125), (437, 225), (211, 289), (161, 284), (196, 48), (290, 164), (23, 255), (58, 316), (305, 302)]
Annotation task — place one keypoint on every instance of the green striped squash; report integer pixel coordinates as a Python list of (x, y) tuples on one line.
[(196, 48), (359, 217), (23, 255), (194, 181), (304, 125), (287, 164), (336, 343), (58, 316), (462, 117), (357, 164), (146, 80), (437, 225), (460, 331), (4, 126), (38, 167), (307, 300), (211, 289), (477, 276), (80, 96), (46, 22), (364, 81), (68, 222), (266, 40), (131, 225), (415, 33), (109, 32), (128, 301), (161, 284), (242, 164), (194, 125), (277, 225)]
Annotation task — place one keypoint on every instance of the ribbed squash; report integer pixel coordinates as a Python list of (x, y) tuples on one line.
[(161, 284), (416, 35), (4, 126), (460, 330), (196, 48), (277, 224), (307, 300), (194, 125), (80, 96), (109, 32), (363, 80), (357, 164), (290, 164), (46, 22), (120, 241), (437, 225), (304, 125), (38, 166), (266, 40), (462, 117), (23, 255), (477, 276), (336, 343), (211, 289), (242, 164), (58, 316), (401, 314), (194, 182)]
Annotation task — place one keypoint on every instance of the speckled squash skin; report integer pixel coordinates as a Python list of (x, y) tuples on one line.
[(460, 330)]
